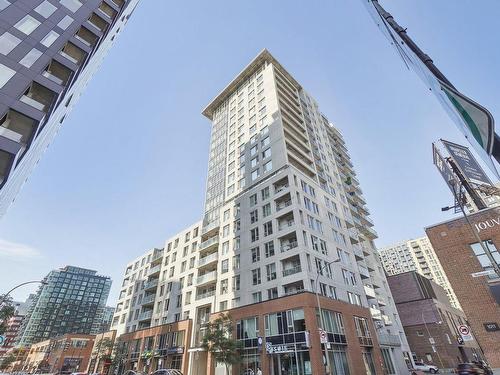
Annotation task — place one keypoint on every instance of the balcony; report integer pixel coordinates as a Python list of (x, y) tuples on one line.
[(293, 288), (38, 97), (209, 259), (146, 315), (387, 321), (17, 127), (208, 277), (388, 339), (288, 245), (381, 302), (358, 252), (208, 244), (292, 270), (87, 37), (363, 272), (148, 299), (286, 221), (376, 313), (210, 227), (157, 256), (208, 294), (57, 73), (281, 185), (154, 270), (283, 204), (107, 10), (151, 284), (73, 53), (98, 22), (370, 292)]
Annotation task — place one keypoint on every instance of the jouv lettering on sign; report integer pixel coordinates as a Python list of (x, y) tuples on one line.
[(281, 348), (491, 327), (490, 223)]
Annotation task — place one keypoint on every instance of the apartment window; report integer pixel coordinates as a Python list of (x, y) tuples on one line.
[(27, 25), (6, 74), (4, 4), (253, 200), (72, 5), (225, 231), (272, 293), (225, 265), (266, 153), (254, 216), (266, 210), (236, 262), (255, 252), (236, 283), (265, 141), (253, 150), (271, 271), (257, 297), (226, 215), (269, 249), (268, 228), (354, 298), (223, 305), (254, 234), (254, 162), (268, 166), (265, 193), (255, 174), (8, 42), (483, 258), (256, 277), (224, 286), (65, 22), (50, 38), (30, 58), (45, 9)]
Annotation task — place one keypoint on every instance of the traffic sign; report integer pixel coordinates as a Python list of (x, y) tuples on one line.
[(323, 337), (465, 332)]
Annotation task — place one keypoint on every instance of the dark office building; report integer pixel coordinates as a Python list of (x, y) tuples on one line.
[(49, 50), (73, 300)]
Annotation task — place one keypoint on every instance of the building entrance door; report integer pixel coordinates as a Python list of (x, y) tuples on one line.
[(284, 364)]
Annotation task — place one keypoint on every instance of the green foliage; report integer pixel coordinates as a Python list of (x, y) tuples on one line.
[(7, 310), (219, 341), (104, 347)]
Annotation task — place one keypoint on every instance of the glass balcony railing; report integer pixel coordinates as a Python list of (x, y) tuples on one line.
[(211, 241), (286, 246), (208, 294), (291, 271), (206, 278), (208, 259)]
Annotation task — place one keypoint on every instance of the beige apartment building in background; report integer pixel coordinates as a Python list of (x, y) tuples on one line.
[(284, 217), (417, 255)]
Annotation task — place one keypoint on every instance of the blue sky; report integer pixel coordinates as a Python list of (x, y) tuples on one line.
[(128, 168)]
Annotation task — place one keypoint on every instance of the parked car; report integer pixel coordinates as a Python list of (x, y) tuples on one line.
[(469, 369), (167, 372), (426, 368), (485, 367)]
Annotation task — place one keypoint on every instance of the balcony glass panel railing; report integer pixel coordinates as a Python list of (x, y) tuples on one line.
[(289, 245), (208, 259), (282, 205), (292, 270), (209, 242), (208, 277), (210, 293)]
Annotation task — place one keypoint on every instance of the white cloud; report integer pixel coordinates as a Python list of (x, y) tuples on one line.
[(18, 251)]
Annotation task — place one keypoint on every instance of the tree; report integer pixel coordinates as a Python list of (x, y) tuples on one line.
[(120, 353), (103, 351), (219, 342), (7, 310)]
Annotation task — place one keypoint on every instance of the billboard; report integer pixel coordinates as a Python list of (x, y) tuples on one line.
[(468, 165), (446, 172)]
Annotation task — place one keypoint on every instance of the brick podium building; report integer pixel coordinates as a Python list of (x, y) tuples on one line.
[(462, 258)]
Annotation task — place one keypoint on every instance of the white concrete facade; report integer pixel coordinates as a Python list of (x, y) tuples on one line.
[(282, 202)]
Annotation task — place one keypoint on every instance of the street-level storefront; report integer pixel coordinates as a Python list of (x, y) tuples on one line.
[(156, 348), (281, 337)]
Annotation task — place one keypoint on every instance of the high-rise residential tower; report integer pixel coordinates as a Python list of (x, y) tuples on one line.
[(49, 50), (73, 300), (284, 218), (417, 255)]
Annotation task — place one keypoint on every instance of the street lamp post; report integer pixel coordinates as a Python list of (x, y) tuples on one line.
[(6, 295), (430, 337), (321, 311)]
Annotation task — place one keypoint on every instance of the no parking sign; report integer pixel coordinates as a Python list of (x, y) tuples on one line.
[(465, 332)]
